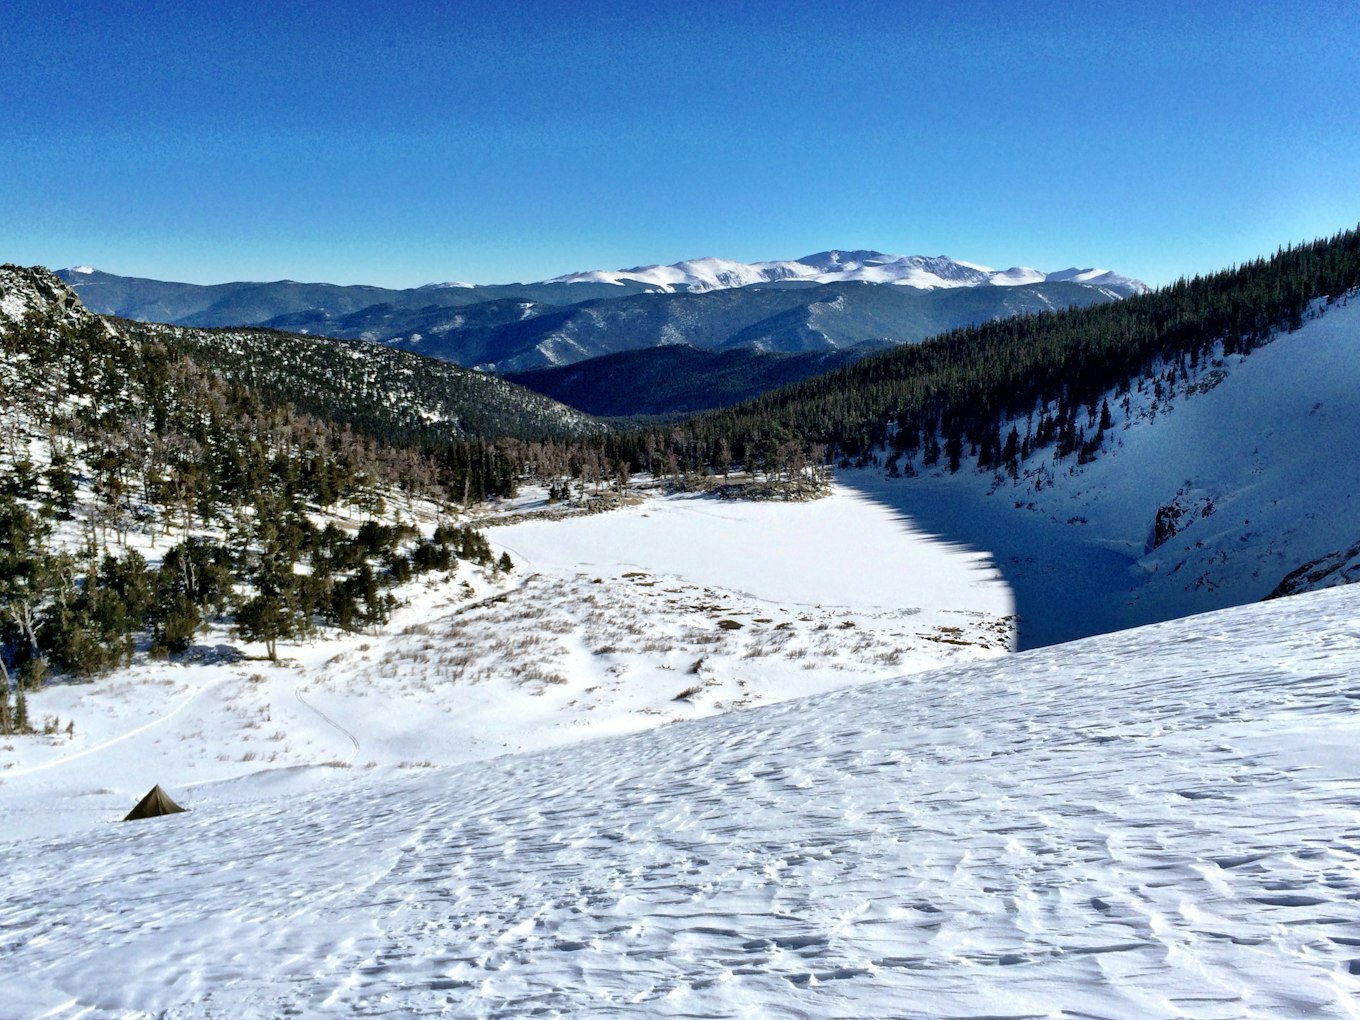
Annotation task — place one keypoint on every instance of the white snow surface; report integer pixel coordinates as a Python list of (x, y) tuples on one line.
[(12, 308), (919, 271), (1156, 823)]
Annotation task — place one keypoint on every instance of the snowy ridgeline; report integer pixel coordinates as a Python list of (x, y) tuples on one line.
[(1157, 823), (919, 271)]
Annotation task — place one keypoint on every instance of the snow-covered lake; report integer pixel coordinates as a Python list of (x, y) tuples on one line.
[(846, 550), (604, 623)]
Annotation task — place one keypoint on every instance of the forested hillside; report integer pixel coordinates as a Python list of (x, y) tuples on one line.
[(1042, 377), (142, 497), (381, 392)]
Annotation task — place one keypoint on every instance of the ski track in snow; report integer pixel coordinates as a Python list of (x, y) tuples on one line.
[(104, 745), (1155, 823), (354, 741)]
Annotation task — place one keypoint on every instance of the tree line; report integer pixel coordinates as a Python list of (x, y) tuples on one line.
[(950, 399)]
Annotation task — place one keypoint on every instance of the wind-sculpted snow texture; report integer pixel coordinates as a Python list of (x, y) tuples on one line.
[(1156, 823)]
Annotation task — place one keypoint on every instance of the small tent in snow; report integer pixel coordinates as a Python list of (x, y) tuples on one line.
[(155, 803)]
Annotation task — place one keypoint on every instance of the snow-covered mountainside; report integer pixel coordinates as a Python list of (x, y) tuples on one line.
[(1217, 484), (1158, 823), (919, 271)]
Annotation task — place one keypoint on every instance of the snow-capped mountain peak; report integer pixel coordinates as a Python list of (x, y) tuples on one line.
[(922, 272), (1099, 278), (836, 260)]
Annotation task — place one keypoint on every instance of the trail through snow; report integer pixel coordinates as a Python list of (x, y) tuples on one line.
[(104, 745)]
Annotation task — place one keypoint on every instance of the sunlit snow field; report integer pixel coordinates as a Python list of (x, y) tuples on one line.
[(1158, 823)]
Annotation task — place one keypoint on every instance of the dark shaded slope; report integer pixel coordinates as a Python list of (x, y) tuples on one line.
[(677, 379)]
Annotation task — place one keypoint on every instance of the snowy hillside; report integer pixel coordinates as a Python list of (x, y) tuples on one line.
[(919, 271), (1210, 490), (668, 608), (1159, 823)]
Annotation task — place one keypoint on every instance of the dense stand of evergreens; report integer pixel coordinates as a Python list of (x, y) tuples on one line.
[(950, 396), (118, 441), (381, 392)]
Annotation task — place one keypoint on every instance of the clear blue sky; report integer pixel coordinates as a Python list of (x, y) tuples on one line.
[(403, 143)]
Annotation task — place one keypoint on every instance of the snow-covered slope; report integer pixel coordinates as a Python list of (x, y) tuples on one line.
[(919, 271), (1209, 491), (1159, 823)]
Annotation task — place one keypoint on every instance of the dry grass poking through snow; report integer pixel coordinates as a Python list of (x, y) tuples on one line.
[(640, 640)]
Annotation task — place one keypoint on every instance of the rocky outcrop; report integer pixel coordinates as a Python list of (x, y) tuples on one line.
[(1187, 507), (1329, 571), (34, 291)]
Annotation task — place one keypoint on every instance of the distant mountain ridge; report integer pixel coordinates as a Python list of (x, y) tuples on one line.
[(830, 301), (835, 266)]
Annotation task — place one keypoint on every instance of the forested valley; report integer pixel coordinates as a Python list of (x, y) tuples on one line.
[(158, 480)]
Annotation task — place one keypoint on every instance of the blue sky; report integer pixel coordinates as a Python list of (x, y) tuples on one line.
[(404, 143)]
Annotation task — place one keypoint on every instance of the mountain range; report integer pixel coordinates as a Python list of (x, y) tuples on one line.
[(922, 272), (831, 301)]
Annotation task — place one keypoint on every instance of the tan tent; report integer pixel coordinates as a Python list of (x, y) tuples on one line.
[(155, 803)]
